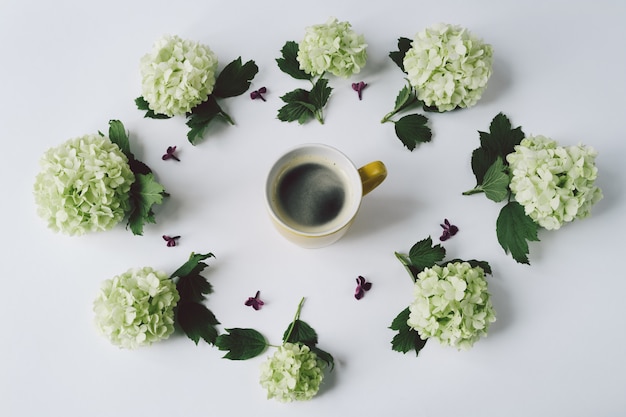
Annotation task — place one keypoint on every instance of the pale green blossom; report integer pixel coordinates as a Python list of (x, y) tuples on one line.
[(177, 75), (452, 304), (292, 373), (136, 308), (555, 184), (448, 66), (332, 47), (83, 185)]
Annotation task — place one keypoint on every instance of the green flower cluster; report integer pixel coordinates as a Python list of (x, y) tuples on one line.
[(136, 308), (294, 372), (448, 66), (83, 185), (452, 304), (177, 75), (555, 184), (332, 47)]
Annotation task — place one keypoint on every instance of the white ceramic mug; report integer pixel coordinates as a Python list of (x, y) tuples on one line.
[(313, 193)]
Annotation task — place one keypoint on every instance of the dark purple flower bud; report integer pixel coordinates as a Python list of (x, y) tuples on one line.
[(255, 302), (258, 93), (361, 286), (169, 154), (449, 230), (359, 87), (171, 240)]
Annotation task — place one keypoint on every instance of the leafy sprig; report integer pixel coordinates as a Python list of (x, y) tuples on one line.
[(195, 319), (411, 129), (242, 344), (145, 192), (514, 229), (422, 255), (232, 81), (302, 105)]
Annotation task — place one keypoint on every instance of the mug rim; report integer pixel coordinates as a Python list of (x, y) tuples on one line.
[(355, 195)]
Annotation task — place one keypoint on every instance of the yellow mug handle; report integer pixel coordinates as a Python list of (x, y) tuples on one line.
[(372, 175)]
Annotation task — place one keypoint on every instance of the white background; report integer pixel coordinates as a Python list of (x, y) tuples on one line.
[(557, 348)]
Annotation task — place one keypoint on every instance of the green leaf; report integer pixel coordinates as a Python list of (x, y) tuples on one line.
[(404, 259), (406, 339), (320, 93), (298, 108), (424, 255), (145, 192), (496, 181), (300, 333), (235, 79), (142, 104), (404, 44), (197, 322), (194, 265), (118, 135), (200, 117), (412, 130), (499, 142), (289, 63), (514, 229), (474, 263), (241, 344), (324, 356)]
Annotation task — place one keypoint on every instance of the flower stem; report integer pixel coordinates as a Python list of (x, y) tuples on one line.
[(476, 190), (295, 318)]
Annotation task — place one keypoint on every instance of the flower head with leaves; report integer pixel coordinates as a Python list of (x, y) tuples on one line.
[(332, 47), (448, 66), (136, 308), (83, 185), (452, 304), (177, 75), (555, 184)]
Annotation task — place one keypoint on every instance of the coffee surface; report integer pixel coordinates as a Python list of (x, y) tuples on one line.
[(311, 194)]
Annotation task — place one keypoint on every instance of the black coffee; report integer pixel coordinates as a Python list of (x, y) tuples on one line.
[(311, 194)]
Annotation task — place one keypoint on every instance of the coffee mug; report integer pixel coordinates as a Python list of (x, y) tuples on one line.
[(313, 193)]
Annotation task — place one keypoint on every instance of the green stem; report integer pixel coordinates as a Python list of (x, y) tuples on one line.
[(295, 318), (476, 190)]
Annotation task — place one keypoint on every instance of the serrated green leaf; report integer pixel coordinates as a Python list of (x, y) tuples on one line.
[(194, 264), (514, 229), (118, 135), (296, 111), (406, 339), (197, 321), (497, 143), (405, 96), (412, 130), (300, 332), (320, 93), (235, 79), (424, 255), (142, 104), (145, 192), (200, 117), (289, 63), (241, 344), (404, 44), (406, 262), (193, 287), (496, 181)]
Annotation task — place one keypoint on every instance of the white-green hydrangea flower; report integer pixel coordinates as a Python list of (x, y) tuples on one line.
[(83, 185), (448, 66), (332, 47), (555, 184), (452, 304), (293, 373), (177, 75), (136, 308)]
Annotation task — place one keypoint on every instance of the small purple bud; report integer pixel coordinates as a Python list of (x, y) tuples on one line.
[(255, 302), (359, 87), (361, 287), (258, 93)]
